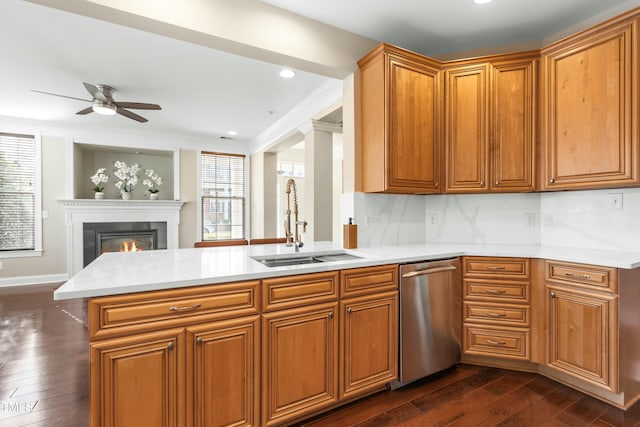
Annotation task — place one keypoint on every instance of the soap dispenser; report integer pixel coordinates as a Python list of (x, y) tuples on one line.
[(350, 235)]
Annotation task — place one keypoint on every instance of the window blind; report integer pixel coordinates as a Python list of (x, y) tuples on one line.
[(17, 192), (223, 196)]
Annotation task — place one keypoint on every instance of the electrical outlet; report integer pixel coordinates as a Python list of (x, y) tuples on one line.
[(531, 220), (615, 201), (432, 219)]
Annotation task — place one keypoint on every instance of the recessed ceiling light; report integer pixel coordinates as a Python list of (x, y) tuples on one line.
[(482, 1), (232, 133), (287, 74)]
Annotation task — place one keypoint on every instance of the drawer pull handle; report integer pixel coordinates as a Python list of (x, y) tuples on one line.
[(492, 342), (495, 291), (171, 345), (494, 268), (199, 340), (187, 308), (578, 276), (491, 314)]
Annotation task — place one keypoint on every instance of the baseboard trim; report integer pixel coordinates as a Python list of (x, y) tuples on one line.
[(33, 280)]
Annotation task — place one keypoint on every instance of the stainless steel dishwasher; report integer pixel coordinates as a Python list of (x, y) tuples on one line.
[(430, 318)]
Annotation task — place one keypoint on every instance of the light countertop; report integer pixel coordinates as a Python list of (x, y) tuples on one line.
[(119, 273)]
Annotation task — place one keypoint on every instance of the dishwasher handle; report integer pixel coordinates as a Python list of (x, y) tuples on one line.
[(428, 271)]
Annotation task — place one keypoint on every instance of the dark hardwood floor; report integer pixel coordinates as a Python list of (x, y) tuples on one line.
[(44, 375)]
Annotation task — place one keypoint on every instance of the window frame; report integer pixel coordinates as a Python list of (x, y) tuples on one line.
[(37, 250), (246, 201)]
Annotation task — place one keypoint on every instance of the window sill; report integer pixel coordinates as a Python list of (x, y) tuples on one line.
[(21, 254)]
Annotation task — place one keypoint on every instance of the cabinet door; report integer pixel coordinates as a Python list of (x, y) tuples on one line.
[(414, 128), (513, 126), (223, 369), (369, 338), (583, 339), (590, 110), (299, 362), (467, 129), (138, 381)]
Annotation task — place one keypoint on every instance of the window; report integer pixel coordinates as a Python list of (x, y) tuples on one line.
[(19, 194), (223, 196)]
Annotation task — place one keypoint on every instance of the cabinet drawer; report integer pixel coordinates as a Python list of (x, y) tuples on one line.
[(587, 276), (124, 314), (487, 290), (508, 343), (359, 281), (499, 314), (296, 291), (509, 268)]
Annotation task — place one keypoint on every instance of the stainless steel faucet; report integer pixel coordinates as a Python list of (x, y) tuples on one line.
[(291, 239)]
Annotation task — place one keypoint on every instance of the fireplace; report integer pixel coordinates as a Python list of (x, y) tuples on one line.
[(81, 212), (101, 237)]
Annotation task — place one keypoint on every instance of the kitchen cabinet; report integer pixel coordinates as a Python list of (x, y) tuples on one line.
[(490, 116), (299, 362), (369, 329), (583, 322), (138, 380), (496, 307), (174, 358), (590, 109), (223, 373), (401, 118)]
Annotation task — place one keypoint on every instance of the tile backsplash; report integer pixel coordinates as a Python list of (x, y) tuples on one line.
[(569, 218)]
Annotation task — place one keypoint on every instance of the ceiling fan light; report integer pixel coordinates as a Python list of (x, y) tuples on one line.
[(104, 108)]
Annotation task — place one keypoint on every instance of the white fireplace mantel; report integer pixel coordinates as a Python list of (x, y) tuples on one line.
[(80, 211)]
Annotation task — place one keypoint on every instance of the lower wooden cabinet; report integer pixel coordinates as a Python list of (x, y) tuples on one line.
[(138, 380), (223, 368), (583, 335), (299, 362), (369, 342)]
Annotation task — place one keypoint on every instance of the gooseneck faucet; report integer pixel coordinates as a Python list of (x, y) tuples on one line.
[(291, 239)]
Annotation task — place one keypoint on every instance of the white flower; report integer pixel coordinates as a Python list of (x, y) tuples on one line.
[(127, 175), (99, 178), (153, 181)]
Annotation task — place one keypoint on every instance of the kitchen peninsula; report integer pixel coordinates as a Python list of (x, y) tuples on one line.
[(220, 337)]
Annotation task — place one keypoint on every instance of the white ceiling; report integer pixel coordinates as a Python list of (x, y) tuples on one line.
[(205, 92)]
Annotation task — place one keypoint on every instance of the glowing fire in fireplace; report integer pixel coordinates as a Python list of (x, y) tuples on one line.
[(129, 246)]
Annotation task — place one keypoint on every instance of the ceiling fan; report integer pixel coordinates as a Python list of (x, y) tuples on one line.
[(103, 103)]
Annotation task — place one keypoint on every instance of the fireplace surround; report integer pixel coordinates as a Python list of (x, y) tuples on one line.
[(86, 211)]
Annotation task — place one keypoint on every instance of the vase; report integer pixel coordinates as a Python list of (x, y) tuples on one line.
[(154, 196), (127, 195), (98, 195)]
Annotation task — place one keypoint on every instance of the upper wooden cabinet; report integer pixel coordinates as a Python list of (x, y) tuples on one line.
[(590, 108), (490, 117), (401, 139)]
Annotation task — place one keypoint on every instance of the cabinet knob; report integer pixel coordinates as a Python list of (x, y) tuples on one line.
[(331, 314), (171, 345), (199, 340), (551, 181), (481, 183), (552, 294), (349, 310), (497, 183)]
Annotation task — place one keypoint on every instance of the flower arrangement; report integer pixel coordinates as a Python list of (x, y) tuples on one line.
[(99, 178), (152, 181), (127, 176)]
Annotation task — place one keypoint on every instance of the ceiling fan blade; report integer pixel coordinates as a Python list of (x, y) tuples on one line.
[(130, 115), (63, 96), (94, 91), (86, 110), (138, 105)]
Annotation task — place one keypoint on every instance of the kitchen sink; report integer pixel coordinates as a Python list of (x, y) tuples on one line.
[(284, 260)]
